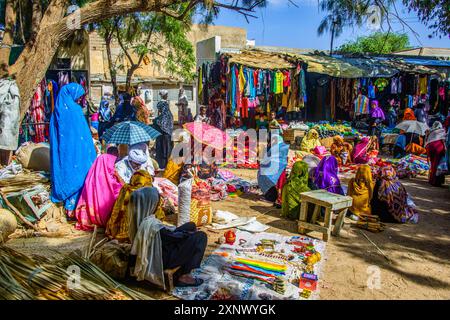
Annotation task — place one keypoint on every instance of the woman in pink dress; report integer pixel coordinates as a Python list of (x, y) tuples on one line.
[(100, 191)]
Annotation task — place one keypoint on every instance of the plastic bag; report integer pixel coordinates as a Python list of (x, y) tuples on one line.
[(184, 201)]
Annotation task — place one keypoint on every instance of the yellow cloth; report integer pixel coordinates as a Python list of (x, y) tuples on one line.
[(279, 77), (173, 171), (117, 226), (423, 85), (414, 148), (360, 189), (241, 79), (310, 141)]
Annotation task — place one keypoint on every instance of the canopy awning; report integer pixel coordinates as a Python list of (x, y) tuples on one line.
[(260, 59), (372, 68)]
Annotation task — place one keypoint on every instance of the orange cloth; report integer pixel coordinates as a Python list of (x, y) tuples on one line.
[(414, 148), (409, 114)]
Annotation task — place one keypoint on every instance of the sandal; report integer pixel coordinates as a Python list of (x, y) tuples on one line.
[(196, 283)]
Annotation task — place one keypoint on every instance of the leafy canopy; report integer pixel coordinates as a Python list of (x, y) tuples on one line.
[(378, 42)]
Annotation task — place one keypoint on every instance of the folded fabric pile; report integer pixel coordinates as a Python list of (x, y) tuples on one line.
[(411, 165), (298, 125)]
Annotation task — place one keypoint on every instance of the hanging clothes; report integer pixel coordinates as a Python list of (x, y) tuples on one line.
[(51, 93), (361, 105), (9, 114), (37, 113), (63, 78), (279, 77), (423, 85)]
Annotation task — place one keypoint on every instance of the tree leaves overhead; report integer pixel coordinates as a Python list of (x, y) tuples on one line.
[(377, 43), (435, 14)]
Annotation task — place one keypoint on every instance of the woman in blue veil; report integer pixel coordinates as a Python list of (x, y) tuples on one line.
[(72, 150)]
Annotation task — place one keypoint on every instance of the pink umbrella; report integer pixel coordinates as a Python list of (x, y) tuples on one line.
[(208, 135)]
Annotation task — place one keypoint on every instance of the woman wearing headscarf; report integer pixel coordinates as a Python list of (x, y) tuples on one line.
[(271, 168), (164, 124), (341, 150), (72, 150), (117, 225), (435, 147), (360, 188), (326, 175), (409, 114), (297, 183), (100, 192), (104, 116), (376, 117), (364, 150), (141, 110), (125, 111), (182, 107), (310, 141), (138, 159), (390, 199), (158, 247)]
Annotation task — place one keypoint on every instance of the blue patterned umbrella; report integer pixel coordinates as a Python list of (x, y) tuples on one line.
[(130, 132)]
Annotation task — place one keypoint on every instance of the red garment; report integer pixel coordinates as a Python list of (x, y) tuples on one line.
[(286, 79), (280, 184), (243, 110), (37, 113), (435, 151)]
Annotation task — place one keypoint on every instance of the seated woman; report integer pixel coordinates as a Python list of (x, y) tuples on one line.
[(435, 147), (365, 150), (326, 176), (138, 159), (390, 199), (310, 141), (297, 182), (117, 225), (100, 191), (341, 150), (158, 247), (360, 188)]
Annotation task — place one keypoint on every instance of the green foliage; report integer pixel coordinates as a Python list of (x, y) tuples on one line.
[(378, 42)]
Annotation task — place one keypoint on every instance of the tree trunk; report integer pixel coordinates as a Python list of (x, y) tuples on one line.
[(5, 50), (112, 70), (36, 19), (34, 61), (130, 73)]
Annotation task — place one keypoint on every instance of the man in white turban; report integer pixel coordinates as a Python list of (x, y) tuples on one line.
[(138, 159)]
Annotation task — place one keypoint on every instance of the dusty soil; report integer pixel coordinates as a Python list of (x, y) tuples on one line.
[(419, 255)]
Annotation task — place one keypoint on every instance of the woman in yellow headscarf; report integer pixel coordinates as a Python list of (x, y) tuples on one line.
[(310, 141), (360, 188), (117, 226)]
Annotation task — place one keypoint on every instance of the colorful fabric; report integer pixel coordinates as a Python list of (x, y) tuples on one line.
[(360, 188), (326, 175), (361, 150), (361, 105), (72, 150), (310, 141), (394, 194), (118, 223), (416, 149), (297, 183), (99, 194)]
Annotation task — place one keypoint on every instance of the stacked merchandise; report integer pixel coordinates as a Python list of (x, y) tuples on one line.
[(411, 166), (326, 129)]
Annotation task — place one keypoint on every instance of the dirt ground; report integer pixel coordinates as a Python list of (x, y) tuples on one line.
[(419, 255)]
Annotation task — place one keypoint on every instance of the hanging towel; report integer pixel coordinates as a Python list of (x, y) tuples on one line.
[(9, 114)]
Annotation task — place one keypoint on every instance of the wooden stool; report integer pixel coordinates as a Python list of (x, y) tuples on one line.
[(333, 204), (168, 278)]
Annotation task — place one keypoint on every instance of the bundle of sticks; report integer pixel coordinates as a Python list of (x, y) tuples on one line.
[(370, 223)]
